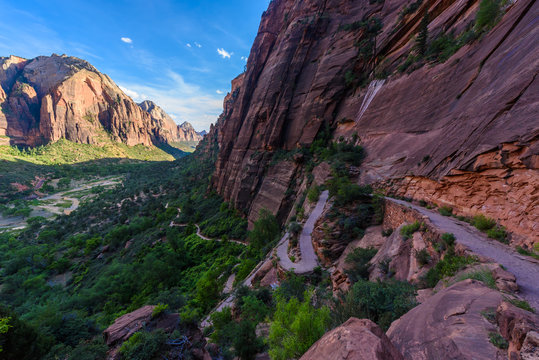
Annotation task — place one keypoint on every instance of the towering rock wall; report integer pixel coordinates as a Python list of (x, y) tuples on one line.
[(49, 98), (166, 128), (463, 132)]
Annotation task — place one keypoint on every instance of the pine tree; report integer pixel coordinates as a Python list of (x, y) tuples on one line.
[(422, 37)]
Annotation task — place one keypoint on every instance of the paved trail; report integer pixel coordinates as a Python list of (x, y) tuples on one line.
[(524, 268), (309, 260)]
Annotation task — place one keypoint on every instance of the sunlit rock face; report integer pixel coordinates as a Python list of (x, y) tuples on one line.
[(463, 132), (53, 97)]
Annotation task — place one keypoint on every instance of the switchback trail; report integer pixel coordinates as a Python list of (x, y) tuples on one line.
[(524, 268), (309, 260)]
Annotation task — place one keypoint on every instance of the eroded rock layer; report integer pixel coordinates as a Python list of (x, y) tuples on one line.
[(472, 118), (51, 97)]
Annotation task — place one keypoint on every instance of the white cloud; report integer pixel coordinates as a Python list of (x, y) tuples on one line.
[(189, 45), (244, 58), (181, 100), (198, 45), (127, 40), (224, 54), (219, 92)]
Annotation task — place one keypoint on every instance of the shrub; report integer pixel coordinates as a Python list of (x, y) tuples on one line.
[(408, 230), (483, 275), (422, 256), (313, 194), (143, 345), (523, 304), (265, 231), (448, 240), (159, 310), (295, 327), (447, 267), (523, 251), (359, 263), (498, 233), (488, 14), (445, 211), (294, 228), (497, 340), (381, 302), (483, 223)]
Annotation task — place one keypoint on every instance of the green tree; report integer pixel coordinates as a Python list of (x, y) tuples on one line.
[(423, 36), (266, 230), (246, 344), (4, 327), (487, 15), (296, 326)]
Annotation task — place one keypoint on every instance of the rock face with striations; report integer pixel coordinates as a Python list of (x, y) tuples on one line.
[(462, 133), (52, 97), (354, 340), (166, 128)]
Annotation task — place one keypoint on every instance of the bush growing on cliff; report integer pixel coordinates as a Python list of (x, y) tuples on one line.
[(381, 302), (358, 260), (445, 211), (407, 231), (483, 223), (447, 267), (143, 345), (313, 194), (265, 231), (488, 14)]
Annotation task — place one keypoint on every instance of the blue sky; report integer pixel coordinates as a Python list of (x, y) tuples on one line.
[(180, 54)]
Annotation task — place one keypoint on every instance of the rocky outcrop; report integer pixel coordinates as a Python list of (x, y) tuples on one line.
[(515, 325), (449, 325), (53, 97), (436, 123), (354, 340), (125, 326), (165, 127)]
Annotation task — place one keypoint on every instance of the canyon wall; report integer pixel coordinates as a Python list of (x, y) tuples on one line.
[(51, 97), (461, 133)]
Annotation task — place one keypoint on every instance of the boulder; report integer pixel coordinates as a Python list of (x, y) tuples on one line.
[(530, 347), (125, 326), (354, 340), (515, 324), (449, 325)]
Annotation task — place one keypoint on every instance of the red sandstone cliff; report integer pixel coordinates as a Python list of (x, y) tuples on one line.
[(474, 117), (49, 98), (166, 128)]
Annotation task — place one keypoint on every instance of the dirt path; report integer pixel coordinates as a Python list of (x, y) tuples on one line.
[(199, 234), (524, 268), (309, 260)]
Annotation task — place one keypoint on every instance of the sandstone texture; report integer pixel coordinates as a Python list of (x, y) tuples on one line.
[(449, 325), (517, 326), (51, 97), (354, 340), (165, 127), (125, 326), (461, 133)]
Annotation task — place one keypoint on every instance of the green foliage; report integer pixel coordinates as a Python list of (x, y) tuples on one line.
[(244, 269), (295, 327), (381, 302), (422, 256), (498, 233), (346, 192), (483, 275), (266, 230), (159, 310), (313, 194), (488, 14), (423, 35), (522, 251), (497, 340), (447, 267), (358, 263), (407, 231), (445, 210), (448, 240), (523, 304), (143, 345), (18, 339), (483, 223), (292, 287)]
